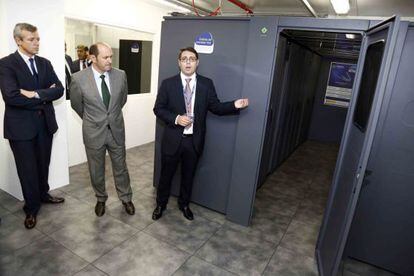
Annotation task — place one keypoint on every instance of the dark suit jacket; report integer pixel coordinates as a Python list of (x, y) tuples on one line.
[(68, 77), (76, 65), (21, 112), (170, 103)]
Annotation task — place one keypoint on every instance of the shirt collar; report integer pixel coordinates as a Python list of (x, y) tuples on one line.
[(24, 57), (98, 75), (184, 77)]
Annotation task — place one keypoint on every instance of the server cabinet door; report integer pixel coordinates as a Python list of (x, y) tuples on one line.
[(368, 91)]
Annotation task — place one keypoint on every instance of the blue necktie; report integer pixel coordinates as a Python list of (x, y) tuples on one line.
[(35, 75)]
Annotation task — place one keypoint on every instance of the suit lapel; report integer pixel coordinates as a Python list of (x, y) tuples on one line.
[(198, 96), (41, 70), (25, 68), (93, 87), (180, 92), (113, 83)]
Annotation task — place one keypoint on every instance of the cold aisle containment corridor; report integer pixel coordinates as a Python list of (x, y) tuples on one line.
[(328, 80)]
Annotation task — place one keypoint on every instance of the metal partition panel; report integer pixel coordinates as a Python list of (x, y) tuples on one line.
[(257, 83), (377, 51), (273, 122), (225, 66), (382, 229)]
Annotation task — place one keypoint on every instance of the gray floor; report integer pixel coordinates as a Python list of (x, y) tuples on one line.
[(70, 240)]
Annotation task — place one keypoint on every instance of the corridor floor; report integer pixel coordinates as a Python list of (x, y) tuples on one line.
[(70, 240)]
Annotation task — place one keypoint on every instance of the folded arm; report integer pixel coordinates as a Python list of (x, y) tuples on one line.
[(55, 90), (11, 91)]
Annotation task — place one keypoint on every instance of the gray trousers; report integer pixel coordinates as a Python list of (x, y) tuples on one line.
[(96, 163)]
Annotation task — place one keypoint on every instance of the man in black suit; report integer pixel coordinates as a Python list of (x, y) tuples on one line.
[(68, 73), (82, 62), (182, 104), (29, 85)]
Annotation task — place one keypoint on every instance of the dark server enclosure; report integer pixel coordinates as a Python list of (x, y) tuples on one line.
[(135, 59), (241, 66), (284, 66)]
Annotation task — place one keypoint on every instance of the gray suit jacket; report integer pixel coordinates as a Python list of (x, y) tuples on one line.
[(87, 102)]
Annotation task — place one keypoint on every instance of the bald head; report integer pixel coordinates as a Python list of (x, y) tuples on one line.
[(101, 56), (94, 49)]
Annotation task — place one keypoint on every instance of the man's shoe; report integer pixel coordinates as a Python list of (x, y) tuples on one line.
[(52, 199), (100, 208), (129, 207), (187, 212), (157, 212), (30, 221)]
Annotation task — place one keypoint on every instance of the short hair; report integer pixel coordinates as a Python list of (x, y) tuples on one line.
[(94, 49), (189, 49), (17, 32), (82, 47)]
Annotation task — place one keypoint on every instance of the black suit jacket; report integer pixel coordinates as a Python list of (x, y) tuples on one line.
[(21, 112), (68, 77), (76, 65), (170, 103)]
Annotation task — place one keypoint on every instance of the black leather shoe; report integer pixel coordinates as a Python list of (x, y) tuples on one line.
[(100, 208), (157, 212), (187, 212), (129, 207), (52, 199), (30, 221)]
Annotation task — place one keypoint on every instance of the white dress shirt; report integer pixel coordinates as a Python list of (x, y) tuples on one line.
[(27, 61), (193, 83), (68, 67), (98, 81)]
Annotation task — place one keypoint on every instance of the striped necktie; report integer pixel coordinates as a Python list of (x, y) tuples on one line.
[(34, 73)]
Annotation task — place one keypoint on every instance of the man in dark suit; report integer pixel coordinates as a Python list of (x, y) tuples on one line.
[(29, 85), (82, 62), (68, 73), (182, 104)]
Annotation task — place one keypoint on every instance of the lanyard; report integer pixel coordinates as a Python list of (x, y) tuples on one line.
[(188, 98)]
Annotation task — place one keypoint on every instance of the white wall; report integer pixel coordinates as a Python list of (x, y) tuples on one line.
[(48, 17), (136, 15)]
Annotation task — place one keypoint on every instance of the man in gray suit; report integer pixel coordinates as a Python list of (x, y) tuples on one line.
[(98, 94)]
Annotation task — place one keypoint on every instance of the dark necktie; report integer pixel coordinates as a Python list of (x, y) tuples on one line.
[(105, 92), (35, 75)]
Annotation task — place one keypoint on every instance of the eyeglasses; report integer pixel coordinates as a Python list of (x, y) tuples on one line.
[(186, 59)]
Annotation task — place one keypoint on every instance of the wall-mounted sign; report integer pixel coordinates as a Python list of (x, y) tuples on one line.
[(340, 82), (204, 43), (135, 48)]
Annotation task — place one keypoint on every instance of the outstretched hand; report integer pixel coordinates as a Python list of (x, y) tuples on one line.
[(241, 103)]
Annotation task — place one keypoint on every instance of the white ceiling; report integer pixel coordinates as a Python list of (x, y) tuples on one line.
[(323, 8)]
